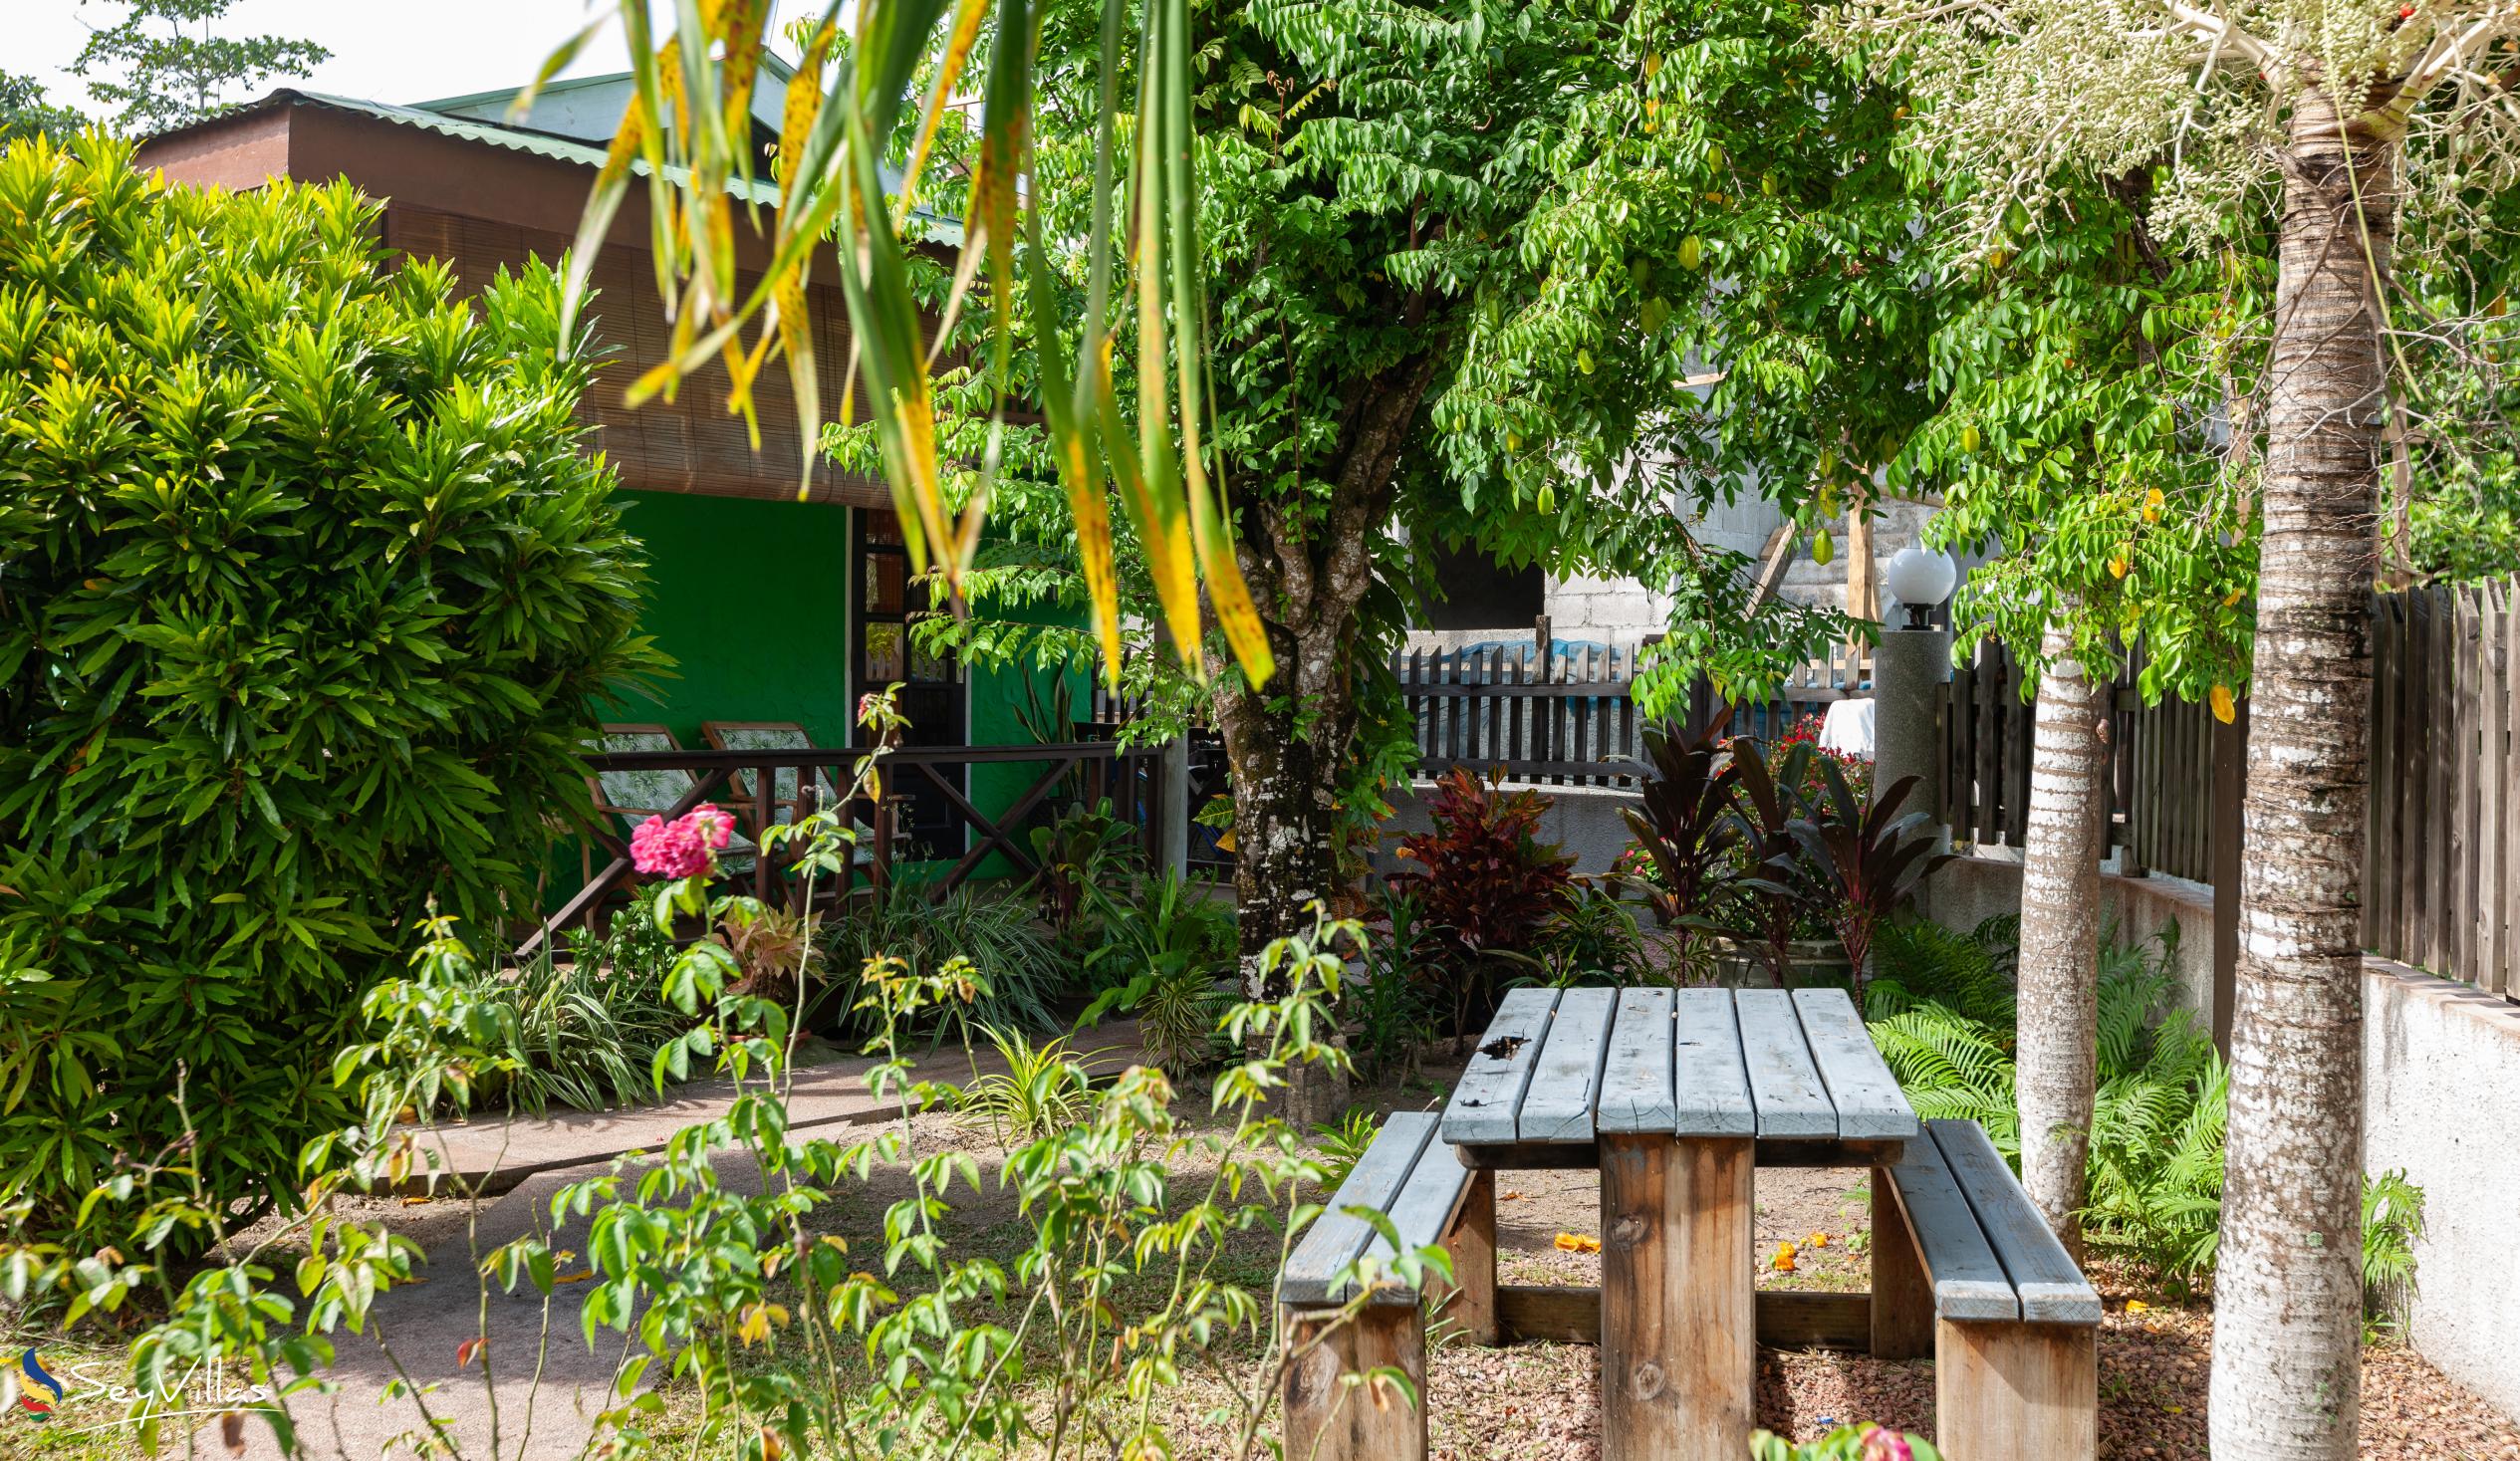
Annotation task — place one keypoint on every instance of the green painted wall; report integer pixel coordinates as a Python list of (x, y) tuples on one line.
[(751, 598)]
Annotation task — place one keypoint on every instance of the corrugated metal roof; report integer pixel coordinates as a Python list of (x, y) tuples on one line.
[(539, 145)]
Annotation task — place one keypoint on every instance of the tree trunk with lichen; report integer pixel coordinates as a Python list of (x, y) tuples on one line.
[(2058, 1054), (2288, 1293), (1288, 743)]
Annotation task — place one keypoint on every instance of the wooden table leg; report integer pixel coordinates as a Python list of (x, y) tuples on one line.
[(1903, 1297), (1471, 1304), (1679, 1344), (1327, 1420)]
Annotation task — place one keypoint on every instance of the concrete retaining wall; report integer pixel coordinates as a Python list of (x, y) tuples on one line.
[(2441, 1100), (1974, 888), (1584, 820)]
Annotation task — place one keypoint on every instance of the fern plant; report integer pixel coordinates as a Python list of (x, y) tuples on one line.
[(1942, 1013), (2393, 1219)]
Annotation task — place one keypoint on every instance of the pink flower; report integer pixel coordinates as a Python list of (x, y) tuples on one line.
[(1885, 1445), (686, 846)]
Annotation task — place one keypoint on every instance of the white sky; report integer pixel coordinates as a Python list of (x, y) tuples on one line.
[(399, 50)]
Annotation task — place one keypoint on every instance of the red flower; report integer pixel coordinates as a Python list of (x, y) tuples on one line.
[(686, 846)]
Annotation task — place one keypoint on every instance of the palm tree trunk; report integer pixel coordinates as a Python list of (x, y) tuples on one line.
[(2056, 1061), (2286, 1361)]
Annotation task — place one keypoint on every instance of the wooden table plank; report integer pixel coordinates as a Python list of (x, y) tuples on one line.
[(1567, 1081), (1968, 1282), (1637, 1075), (1490, 1095), (1711, 1085), (1861, 1085), (1337, 1237), (2053, 1290), (1784, 1084)]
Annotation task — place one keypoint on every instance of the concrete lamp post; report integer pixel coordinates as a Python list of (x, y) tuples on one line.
[(1909, 669)]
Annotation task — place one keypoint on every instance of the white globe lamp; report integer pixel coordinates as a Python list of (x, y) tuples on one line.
[(1920, 579)]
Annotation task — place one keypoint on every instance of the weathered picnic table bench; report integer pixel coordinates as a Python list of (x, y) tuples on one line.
[(1676, 1096)]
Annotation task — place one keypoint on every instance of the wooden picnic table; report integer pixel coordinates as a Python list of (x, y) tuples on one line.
[(1678, 1096)]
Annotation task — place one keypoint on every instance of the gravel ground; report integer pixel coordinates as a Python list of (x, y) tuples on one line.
[(1540, 1400)]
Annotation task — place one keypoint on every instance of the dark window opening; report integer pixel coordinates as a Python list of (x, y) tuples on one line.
[(886, 653), (1478, 593)]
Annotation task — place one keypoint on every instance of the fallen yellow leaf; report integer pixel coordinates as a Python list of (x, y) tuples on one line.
[(1579, 1243), (1784, 1259), (1817, 1240), (580, 1277), (1509, 1196), (2137, 1305)]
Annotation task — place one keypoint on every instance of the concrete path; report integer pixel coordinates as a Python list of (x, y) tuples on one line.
[(492, 1156), (418, 1331), (547, 1412)]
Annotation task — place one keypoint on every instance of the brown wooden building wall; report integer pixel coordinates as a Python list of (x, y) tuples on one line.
[(482, 206)]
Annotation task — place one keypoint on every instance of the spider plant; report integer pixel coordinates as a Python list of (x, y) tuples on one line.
[(1042, 1091)]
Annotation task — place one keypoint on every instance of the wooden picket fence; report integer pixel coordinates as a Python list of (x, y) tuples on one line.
[(1565, 719), (2160, 786), (2441, 868), (1568, 718)]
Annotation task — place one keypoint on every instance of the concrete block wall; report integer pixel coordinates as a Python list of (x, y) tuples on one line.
[(1623, 611)]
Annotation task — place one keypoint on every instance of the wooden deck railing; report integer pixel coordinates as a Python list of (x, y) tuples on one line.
[(1130, 777)]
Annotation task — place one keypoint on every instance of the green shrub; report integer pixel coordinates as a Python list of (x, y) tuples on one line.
[(587, 1031), (308, 597), (1165, 947), (1391, 1005), (1596, 939), (1344, 1143)]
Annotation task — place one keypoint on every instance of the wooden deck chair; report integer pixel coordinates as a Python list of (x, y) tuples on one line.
[(782, 735), (632, 797)]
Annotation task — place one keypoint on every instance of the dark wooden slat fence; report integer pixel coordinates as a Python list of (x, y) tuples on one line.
[(2441, 866)]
